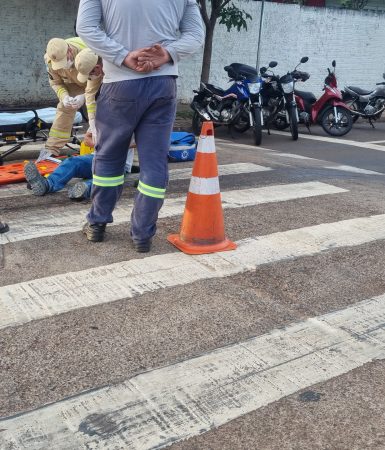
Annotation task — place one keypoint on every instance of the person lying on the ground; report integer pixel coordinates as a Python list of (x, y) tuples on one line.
[(3, 227), (73, 167)]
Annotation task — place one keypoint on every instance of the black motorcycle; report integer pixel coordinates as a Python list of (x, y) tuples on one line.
[(231, 107), (368, 104), (279, 107)]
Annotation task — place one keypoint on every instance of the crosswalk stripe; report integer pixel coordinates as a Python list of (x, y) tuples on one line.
[(69, 218), (166, 405), (294, 156), (50, 296), (237, 145), (223, 169), (17, 190), (354, 170)]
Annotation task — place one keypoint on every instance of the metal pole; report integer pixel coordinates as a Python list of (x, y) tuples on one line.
[(260, 33)]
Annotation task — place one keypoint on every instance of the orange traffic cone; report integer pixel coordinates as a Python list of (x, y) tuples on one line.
[(202, 228)]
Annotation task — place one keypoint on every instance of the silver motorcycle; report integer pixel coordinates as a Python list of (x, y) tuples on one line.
[(365, 103)]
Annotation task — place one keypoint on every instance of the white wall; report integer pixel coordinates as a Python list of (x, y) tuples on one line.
[(355, 39), (25, 28)]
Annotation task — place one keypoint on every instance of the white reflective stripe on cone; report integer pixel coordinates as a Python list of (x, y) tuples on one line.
[(206, 144), (204, 186)]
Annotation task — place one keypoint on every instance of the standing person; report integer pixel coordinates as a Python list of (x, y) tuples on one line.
[(141, 44), (59, 58)]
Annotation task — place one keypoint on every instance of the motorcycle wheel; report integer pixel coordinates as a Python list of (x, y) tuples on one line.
[(344, 124), (196, 124), (293, 123), (257, 126), (243, 123)]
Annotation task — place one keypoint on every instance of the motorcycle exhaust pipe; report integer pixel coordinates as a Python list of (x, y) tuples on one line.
[(356, 113), (366, 116)]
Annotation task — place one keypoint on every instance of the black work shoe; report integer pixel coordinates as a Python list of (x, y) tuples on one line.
[(39, 184), (3, 227), (78, 191), (143, 246), (94, 232)]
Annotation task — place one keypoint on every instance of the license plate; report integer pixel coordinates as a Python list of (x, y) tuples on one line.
[(10, 138)]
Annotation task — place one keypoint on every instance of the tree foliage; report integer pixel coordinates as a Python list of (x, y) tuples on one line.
[(228, 14), (354, 4), (233, 17), (348, 4)]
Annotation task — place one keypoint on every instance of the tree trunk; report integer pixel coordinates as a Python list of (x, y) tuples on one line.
[(207, 53)]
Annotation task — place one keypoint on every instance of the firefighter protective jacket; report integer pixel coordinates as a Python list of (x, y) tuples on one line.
[(58, 79)]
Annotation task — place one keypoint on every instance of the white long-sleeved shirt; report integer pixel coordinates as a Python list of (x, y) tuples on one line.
[(113, 28)]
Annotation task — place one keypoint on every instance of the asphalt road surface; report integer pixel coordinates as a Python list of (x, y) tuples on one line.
[(279, 344)]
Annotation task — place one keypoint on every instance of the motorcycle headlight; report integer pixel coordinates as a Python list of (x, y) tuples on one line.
[(288, 88), (254, 88)]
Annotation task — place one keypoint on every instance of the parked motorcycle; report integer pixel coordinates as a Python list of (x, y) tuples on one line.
[(368, 104), (234, 107), (329, 110), (281, 122), (278, 102)]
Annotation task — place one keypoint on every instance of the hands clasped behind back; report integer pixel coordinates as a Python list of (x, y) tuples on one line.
[(147, 59)]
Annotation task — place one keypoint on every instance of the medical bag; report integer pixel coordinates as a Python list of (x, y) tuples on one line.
[(182, 146)]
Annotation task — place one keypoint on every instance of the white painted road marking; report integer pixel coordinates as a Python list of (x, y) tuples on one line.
[(295, 156), (340, 141), (70, 218), (237, 144), (354, 170), (20, 189), (334, 167), (163, 406), (45, 297)]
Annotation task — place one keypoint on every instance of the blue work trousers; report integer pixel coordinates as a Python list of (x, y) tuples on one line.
[(147, 108), (74, 167)]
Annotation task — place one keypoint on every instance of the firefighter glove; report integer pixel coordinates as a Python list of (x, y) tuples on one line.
[(78, 101), (44, 154), (92, 129), (67, 101)]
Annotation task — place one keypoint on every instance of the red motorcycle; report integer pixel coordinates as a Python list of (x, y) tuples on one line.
[(329, 110)]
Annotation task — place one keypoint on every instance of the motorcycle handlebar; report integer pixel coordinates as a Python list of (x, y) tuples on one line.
[(379, 84), (298, 75), (273, 77)]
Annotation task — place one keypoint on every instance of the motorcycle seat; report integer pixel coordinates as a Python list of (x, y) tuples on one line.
[(215, 89), (236, 70), (309, 97), (359, 91)]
